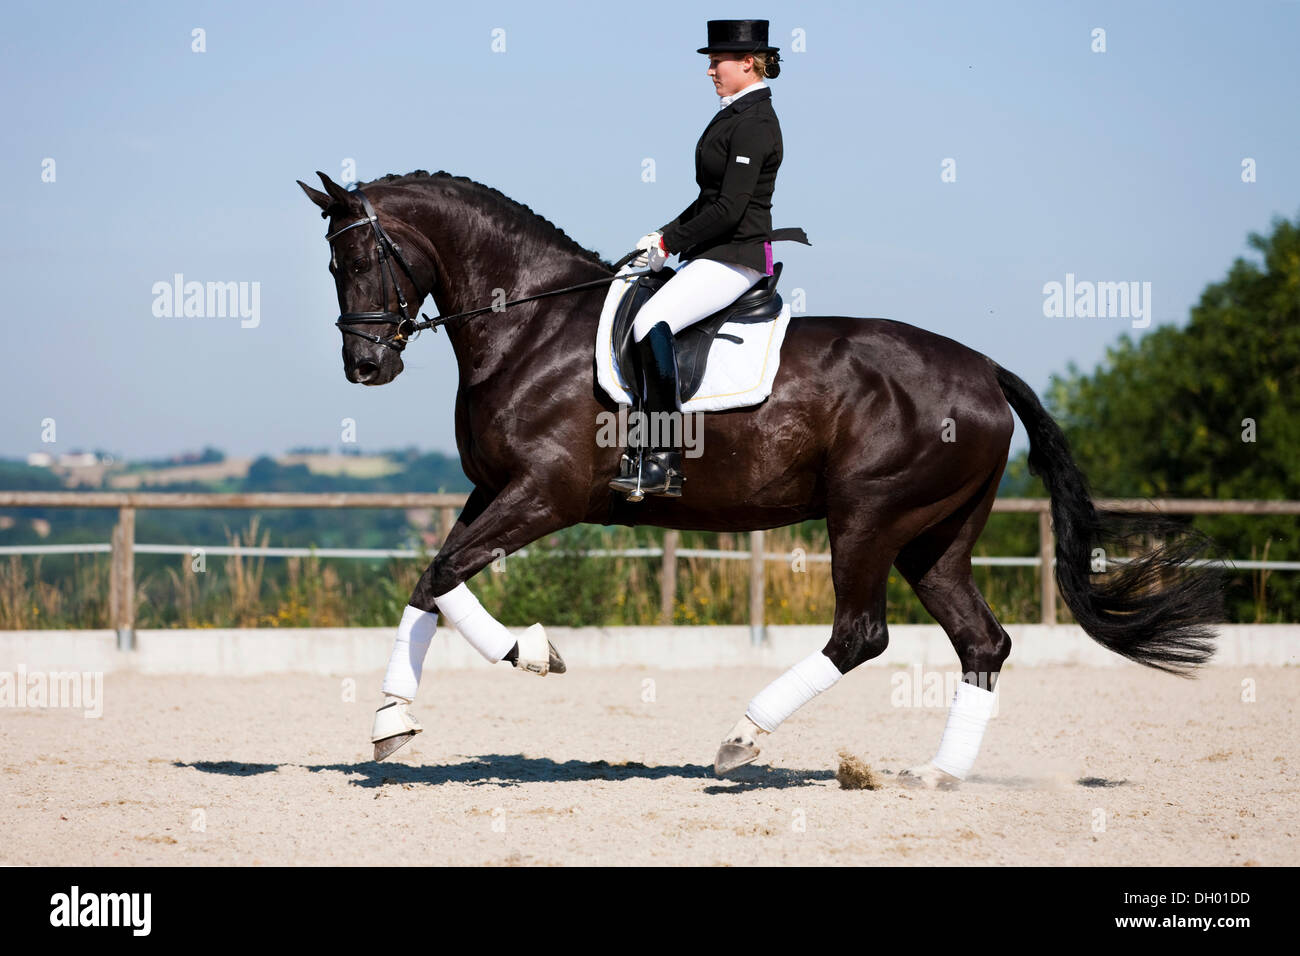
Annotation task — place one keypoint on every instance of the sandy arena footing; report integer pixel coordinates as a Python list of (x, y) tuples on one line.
[(1081, 766)]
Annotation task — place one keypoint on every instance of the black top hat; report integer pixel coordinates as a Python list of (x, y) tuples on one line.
[(738, 36)]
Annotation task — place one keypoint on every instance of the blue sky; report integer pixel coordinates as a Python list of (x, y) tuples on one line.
[(1115, 166)]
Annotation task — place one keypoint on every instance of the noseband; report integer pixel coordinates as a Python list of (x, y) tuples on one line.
[(388, 251)]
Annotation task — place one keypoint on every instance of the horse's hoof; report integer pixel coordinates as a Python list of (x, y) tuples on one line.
[(928, 777), (739, 748), (394, 726), (732, 756), (532, 645), (386, 748)]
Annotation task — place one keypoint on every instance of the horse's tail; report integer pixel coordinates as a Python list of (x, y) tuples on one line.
[(1157, 609)]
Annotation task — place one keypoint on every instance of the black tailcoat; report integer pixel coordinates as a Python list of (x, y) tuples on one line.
[(736, 161)]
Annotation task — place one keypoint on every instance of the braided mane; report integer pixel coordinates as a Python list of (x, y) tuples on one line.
[(539, 223)]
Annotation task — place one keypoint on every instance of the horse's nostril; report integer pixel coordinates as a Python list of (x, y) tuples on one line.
[(366, 371)]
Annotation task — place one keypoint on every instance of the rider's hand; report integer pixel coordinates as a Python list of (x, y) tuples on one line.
[(650, 246), (658, 256)]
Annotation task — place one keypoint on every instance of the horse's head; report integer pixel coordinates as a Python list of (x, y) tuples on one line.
[(379, 297)]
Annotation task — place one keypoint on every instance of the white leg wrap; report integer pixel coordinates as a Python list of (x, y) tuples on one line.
[(800, 684), (971, 709), (485, 633), (414, 634)]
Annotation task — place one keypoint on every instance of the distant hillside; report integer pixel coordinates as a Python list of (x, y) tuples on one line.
[(300, 471), (407, 471)]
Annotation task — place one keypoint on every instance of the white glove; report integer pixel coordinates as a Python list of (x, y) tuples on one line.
[(651, 255)]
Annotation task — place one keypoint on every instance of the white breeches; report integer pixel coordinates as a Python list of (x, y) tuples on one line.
[(699, 288)]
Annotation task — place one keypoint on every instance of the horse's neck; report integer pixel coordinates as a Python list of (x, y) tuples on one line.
[(511, 270), (482, 259), (497, 342)]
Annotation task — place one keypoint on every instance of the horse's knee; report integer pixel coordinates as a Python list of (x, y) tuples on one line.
[(857, 641)]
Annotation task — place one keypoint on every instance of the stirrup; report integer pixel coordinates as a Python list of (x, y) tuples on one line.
[(628, 480), (661, 477), (629, 475)]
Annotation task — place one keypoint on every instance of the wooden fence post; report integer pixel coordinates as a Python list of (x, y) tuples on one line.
[(1046, 552), (446, 521), (757, 627), (121, 588), (668, 578)]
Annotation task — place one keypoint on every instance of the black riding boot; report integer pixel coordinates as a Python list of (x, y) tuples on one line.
[(661, 461)]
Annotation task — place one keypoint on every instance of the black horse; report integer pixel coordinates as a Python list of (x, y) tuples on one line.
[(896, 436)]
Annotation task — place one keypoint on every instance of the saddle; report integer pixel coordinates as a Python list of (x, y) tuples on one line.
[(759, 304)]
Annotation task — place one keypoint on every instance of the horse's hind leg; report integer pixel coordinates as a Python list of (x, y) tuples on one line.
[(938, 567), (860, 570)]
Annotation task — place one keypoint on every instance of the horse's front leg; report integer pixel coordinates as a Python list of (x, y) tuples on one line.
[(487, 529)]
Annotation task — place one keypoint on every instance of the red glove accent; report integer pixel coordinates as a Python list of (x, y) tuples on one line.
[(662, 246)]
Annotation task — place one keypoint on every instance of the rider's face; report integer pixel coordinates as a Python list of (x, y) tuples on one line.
[(727, 70)]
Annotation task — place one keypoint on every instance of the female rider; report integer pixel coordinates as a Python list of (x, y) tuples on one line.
[(726, 233)]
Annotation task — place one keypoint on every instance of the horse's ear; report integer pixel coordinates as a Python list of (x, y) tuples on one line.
[(337, 192), (316, 196)]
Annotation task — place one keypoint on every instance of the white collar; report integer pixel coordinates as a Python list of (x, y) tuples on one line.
[(726, 101)]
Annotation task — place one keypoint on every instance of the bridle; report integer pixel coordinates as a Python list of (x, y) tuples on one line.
[(406, 326), (387, 251)]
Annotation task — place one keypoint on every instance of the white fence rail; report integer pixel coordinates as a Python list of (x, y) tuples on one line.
[(123, 547)]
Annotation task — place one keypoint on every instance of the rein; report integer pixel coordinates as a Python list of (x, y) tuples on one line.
[(406, 326)]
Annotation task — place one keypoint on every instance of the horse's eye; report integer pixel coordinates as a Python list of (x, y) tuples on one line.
[(360, 265)]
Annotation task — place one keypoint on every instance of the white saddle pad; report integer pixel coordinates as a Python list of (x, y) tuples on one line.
[(736, 374)]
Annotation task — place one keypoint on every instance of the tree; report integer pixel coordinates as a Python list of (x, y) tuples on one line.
[(1209, 410)]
